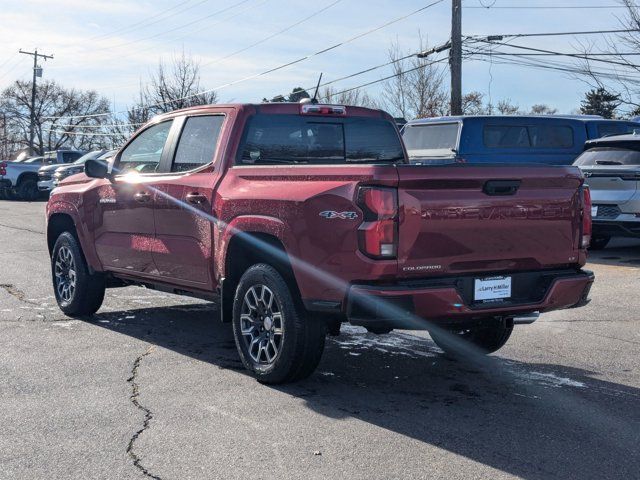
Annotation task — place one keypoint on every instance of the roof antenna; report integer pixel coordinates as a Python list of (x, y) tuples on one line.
[(314, 100)]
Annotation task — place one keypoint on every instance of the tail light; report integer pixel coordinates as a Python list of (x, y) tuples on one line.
[(378, 234), (585, 231), (3, 168)]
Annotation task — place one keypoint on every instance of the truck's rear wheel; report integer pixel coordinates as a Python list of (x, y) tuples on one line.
[(487, 337), (77, 291), (276, 341)]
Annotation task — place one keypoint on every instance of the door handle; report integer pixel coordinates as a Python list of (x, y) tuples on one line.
[(142, 197), (196, 198)]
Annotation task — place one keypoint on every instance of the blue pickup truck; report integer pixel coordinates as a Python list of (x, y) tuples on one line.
[(548, 139)]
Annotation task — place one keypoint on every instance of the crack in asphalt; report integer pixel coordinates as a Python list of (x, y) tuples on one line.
[(14, 291), (21, 229), (148, 415)]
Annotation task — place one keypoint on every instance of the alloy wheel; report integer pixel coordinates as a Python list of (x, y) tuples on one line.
[(65, 274), (261, 324)]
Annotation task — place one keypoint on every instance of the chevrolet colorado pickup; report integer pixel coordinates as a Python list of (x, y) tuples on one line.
[(297, 217)]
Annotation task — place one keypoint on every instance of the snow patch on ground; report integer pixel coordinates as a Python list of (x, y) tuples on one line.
[(550, 379), (354, 338)]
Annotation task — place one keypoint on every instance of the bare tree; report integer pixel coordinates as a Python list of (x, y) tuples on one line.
[(542, 109), (505, 107), (356, 97), (416, 90), (172, 88), (63, 117)]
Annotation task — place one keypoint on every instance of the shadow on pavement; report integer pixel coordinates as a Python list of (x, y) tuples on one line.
[(623, 252), (535, 421)]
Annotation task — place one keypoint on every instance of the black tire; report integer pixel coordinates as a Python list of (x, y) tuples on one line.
[(599, 242), (28, 189), (301, 341), (88, 292), (3, 194), (488, 337), (379, 330)]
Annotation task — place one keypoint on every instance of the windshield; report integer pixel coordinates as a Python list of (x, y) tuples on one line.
[(290, 139), (435, 140), (609, 156), (88, 156)]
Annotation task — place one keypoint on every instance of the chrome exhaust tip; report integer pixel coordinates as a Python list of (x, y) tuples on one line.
[(526, 318)]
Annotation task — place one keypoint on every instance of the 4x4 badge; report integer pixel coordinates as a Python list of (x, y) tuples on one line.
[(331, 215)]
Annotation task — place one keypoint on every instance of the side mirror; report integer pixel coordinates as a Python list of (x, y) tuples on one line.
[(96, 169)]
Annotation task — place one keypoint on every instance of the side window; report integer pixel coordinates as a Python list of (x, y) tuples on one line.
[(506, 136), (551, 136), (144, 152), (605, 129), (198, 141), (372, 140)]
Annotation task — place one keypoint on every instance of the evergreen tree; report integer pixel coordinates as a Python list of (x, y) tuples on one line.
[(600, 102)]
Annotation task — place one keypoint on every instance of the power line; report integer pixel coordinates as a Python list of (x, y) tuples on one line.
[(269, 37), (271, 70), (145, 23), (553, 34), (574, 55), (543, 7), (179, 27)]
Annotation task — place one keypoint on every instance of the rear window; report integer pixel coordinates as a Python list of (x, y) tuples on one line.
[(293, 139), (609, 156), (528, 136), (613, 128), (431, 140)]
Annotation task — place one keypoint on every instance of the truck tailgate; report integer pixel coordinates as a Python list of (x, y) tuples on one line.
[(458, 219)]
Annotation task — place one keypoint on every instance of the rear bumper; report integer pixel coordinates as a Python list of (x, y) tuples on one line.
[(617, 228), (445, 302)]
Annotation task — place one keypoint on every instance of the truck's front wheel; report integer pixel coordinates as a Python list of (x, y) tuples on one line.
[(487, 337), (78, 291), (276, 341)]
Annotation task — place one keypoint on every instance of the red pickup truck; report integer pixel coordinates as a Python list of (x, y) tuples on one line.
[(298, 217)]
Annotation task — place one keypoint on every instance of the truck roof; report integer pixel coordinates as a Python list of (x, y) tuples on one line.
[(278, 108), (459, 118)]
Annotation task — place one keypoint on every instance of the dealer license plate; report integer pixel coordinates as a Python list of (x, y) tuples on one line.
[(494, 288)]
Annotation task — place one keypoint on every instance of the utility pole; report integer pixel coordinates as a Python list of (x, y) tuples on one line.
[(455, 57), (37, 72)]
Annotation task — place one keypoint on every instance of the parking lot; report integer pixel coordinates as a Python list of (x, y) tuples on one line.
[(152, 386)]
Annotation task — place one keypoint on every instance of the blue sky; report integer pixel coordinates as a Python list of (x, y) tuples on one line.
[(111, 45)]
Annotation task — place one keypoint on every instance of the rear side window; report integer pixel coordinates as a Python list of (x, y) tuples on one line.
[(293, 139), (609, 156), (198, 141), (532, 136), (431, 140)]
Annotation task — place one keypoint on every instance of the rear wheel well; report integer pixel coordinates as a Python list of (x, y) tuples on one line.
[(247, 249), (58, 223)]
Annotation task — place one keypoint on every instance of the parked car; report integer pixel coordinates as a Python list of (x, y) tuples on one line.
[(46, 172), (78, 166), (300, 217), (549, 139), (612, 168), (21, 179)]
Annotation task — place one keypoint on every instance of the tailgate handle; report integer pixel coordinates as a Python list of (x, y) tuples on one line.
[(501, 187)]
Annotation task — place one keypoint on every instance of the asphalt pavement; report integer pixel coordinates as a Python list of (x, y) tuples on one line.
[(152, 386)]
